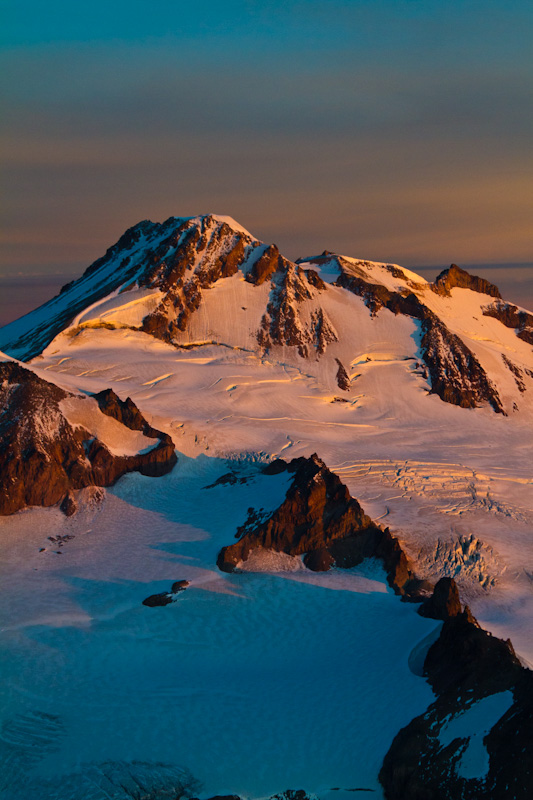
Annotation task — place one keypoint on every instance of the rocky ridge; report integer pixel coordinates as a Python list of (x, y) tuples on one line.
[(43, 457), (466, 667), (454, 276), (181, 259), (512, 317), (321, 521)]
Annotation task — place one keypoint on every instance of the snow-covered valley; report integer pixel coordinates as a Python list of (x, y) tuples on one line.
[(256, 682)]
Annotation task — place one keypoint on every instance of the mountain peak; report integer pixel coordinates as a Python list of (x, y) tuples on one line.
[(205, 280), (454, 277)]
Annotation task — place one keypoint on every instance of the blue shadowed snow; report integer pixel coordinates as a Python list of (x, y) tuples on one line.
[(275, 683), (474, 724)]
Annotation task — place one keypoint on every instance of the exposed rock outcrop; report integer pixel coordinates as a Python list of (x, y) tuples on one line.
[(466, 666), (68, 506), (456, 374), (317, 509), (322, 331), (454, 276), (517, 373), (269, 262), (196, 255), (375, 295), (512, 317), (281, 324), (320, 520), (343, 380), (43, 457), (444, 603), (165, 598)]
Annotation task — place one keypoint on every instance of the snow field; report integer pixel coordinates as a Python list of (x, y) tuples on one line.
[(473, 724), (256, 682), (423, 467)]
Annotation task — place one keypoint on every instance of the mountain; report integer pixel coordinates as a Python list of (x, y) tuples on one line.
[(347, 434), (169, 280)]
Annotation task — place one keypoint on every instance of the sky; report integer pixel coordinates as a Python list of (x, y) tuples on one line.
[(390, 130)]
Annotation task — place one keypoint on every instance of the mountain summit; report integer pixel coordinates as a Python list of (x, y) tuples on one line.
[(197, 280)]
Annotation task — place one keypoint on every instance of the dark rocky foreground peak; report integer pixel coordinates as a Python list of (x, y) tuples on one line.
[(444, 603), (465, 666), (317, 509), (43, 457), (321, 521)]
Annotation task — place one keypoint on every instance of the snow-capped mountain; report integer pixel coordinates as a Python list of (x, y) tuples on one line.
[(201, 280), (327, 413)]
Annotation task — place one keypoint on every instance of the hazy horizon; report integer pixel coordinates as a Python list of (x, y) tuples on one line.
[(394, 130), (20, 293)]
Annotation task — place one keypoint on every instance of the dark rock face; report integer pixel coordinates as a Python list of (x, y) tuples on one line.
[(517, 373), (212, 250), (465, 665), (179, 586), (512, 317), (165, 598), (315, 280), (269, 262), (125, 411), (375, 295), (343, 381), (43, 458), (68, 506), (444, 603), (320, 519), (375, 542), (155, 600), (322, 331), (282, 324), (469, 657), (317, 509), (454, 276), (456, 374)]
